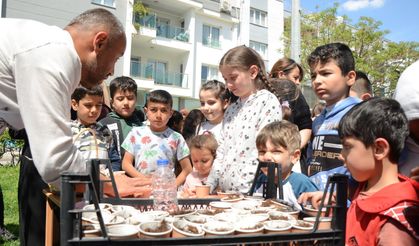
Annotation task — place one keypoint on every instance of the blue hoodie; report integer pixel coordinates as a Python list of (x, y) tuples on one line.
[(324, 149)]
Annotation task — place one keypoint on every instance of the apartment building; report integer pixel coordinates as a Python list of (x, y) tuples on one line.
[(179, 42)]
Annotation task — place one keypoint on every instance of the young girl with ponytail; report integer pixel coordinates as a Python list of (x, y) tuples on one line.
[(235, 165)]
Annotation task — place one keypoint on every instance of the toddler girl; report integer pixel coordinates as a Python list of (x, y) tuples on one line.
[(203, 149)]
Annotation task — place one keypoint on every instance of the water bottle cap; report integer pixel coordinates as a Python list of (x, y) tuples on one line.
[(162, 162)]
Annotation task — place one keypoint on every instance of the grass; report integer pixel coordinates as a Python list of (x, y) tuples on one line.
[(8, 181)]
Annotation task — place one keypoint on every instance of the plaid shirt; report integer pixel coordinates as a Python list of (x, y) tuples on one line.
[(86, 143)]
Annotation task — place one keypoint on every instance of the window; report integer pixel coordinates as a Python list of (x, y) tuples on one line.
[(211, 36), (135, 66), (157, 70), (109, 3), (258, 17), (261, 48), (208, 73)]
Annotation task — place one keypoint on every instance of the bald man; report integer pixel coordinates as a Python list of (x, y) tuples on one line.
[(40, 66)]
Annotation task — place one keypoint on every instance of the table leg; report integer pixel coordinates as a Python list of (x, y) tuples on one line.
[(49, 224)]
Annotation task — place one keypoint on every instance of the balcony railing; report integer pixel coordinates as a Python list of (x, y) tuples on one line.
[(162, 30), (160, 76), (172, 32), (211, 43), (148, 20)]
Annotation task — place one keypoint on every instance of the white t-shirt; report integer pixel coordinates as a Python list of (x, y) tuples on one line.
[(214, 129), (39, 70)]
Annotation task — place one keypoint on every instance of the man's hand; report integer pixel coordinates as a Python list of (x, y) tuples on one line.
[(130, 187)]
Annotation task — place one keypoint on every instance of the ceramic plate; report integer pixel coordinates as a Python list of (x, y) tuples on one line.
[(232, 198), (222, 205), (122, 231)]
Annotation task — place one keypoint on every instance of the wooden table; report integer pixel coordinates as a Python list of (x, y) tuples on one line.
[(52, 236)]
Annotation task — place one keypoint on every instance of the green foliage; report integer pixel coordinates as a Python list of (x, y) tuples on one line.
[(9, 179), (382, 59), (138, 10), (4, 137)]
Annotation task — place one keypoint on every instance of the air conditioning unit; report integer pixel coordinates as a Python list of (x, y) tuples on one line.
[(225, 6)]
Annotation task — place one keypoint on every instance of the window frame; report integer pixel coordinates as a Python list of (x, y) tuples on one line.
[(212, 73), (256, 15), (103, 3), (253, 44), (209, 39)]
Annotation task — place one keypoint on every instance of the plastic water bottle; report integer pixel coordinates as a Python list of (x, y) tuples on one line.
[(164, 187)]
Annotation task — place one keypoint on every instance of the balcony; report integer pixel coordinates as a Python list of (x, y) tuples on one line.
[(148, 21), (159, 76), (162, 30), (172, 32)]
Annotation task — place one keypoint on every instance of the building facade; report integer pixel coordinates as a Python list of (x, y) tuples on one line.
[(179, 43)]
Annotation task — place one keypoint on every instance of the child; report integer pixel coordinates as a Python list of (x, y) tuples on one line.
[(332, 73), (203, 151), (317, 109), (279, 142), (287, 68), (122, 119), (192, 121), (146, 144), (407, 94), (235, 165), (288, 92), (379, 212), (362, 88), (93, 140), (176, 121), (214, 98), (298, 109)]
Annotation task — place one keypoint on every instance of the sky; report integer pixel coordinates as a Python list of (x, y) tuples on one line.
[(400, 17)]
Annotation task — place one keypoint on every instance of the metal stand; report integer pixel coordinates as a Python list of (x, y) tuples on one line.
[(70, 220), (271, 188)]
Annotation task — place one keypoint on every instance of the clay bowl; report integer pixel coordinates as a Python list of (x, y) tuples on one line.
[(182, 228), (218, 228), (302, 226), (277, 226), (155, 229), (122, 231), (196, 219), (249, 227), (324, 222), (277, 215), (308, 209), (202, 191)]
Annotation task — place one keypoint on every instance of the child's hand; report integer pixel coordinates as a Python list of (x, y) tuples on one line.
[(189, 193), (314, 198)]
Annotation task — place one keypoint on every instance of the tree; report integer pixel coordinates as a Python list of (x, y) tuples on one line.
[(382, 59)]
